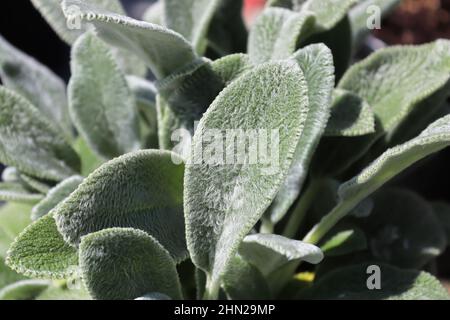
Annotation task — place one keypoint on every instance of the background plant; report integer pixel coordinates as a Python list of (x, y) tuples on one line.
[(89, 164)]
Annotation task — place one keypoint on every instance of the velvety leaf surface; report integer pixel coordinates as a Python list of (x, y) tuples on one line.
[(191, 18), (35, 184), (276, 32), (163, 50), (243, 281), (403, 229), (55, 196), (396, 284), (316, 63), (15, 192), (230, 67), (328, 12), (269, 252), (27, 77), (23, 290), (100, 101), (141, 190), (223, 202), (40, 252), (350, 116), (435, 138), (125, 264), (30, 143)]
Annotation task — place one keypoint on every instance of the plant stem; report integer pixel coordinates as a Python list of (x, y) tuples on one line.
[(301, 209), (329, 221), (266, 226), (211, 289)]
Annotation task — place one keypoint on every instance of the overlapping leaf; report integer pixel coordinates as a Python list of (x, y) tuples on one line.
[(222, 203), (141, 190), (100, 101), (15, 192), (30, 143), (126, 264)]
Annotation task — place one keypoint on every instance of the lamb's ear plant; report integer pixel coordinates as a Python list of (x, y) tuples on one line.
[(121, 187)]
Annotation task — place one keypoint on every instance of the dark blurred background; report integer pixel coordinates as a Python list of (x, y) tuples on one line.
[(416, 21)]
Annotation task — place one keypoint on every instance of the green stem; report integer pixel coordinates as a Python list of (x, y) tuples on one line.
[(329, 221), (301, 209), (211, 289), (266, 226)]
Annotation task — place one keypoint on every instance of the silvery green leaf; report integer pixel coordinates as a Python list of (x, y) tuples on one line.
[(408, 69), (30, 143), (328, 12), (143, 90), (126, 264), (141, 190), (435, 138), (316, 63), (24, 75), (223, 202), (163, 50), (344, 242), (363, 13), (232, 66), (14, 217), (40, 252), (154, 296), (15, 192), (51, 10), (191, 18), (56, 195), (243, 281), (442, 212), (396, 284), (350, 116), (270, 252), (100, 101), (24, 290), (69, 31), (403, 229), (276, 32)]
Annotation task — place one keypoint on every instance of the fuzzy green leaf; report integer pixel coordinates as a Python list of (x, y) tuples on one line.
[(316, 63), (403, 229), (126, 264), (191, 18), (60, 292), (270, 252), (396, 284), (100, 101), (15, 192), (223, 202), (24, 75), (24, 290), (435, 138), (154, 13), (38, 185), (55, 196), (163, 50), (14, 218), (243, 281), (7, 275), (276, 32), (40, 252), (344, 242), (230, 67), (89, 160), (141, 190), (350, 116), (30, 143), (328, 12)]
